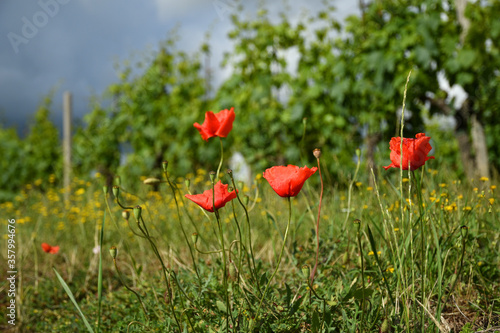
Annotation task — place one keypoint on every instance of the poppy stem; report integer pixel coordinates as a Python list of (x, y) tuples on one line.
[(224, 260), (279, 258), (132, 291), (254, 270), (172, 187), (422, 236), (313, 273), (221, 158)]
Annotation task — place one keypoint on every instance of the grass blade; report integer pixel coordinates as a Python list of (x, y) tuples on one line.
[(70, 294)]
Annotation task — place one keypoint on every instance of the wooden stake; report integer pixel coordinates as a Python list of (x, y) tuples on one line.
[(67, 142)]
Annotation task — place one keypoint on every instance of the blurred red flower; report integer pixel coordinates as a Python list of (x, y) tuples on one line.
[(414, 152), (216, 124), (205, 200), (287, 181), (50, 249)]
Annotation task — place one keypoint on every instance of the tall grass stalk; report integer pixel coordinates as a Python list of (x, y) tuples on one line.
[(99, 278)]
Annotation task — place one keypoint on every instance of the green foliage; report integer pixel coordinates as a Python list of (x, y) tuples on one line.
[(154, 113), (42, 147), (33, 159), (13, 173), (96, 146)]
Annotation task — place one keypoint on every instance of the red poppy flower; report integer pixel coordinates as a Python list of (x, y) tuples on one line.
[(287, 181), (414, 152), (216, 124), (50, 249), (205, 200)]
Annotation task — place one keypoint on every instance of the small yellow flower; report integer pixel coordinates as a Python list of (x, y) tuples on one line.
[(460, 197), (467, 208), (405, 180), (371, 253), (480, 263), (475, 189), (80, 191), (369, 188), (358, 184), (432, 199), (396, 229), (444, 194), (365, 206), (492, 187), (390, 270), (442, 185), (484, 179), (491, 200)]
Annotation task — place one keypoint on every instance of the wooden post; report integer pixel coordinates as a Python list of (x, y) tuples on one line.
[(67, 142)]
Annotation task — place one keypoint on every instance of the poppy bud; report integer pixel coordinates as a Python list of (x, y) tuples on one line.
[(118, 180), (317, 153), (187, 182), (164, 165), (464, 230), (113, 251), (137, 212), (241, 184), (345, 258), (194, 237), (357, 222), (246, 199), (306, 271), (105, 189), (126, 214), (152, 181), (116, 191), (212, 176), (229, 171), (358, 152)]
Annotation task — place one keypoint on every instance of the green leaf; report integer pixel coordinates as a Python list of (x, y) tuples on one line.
[(315, 325), (221, 306)]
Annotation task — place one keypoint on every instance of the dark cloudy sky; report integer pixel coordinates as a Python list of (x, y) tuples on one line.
[(73, 44)]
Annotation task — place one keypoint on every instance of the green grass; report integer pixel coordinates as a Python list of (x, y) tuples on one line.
[(393, 271)]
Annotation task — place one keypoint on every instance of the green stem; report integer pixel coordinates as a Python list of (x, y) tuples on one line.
[(422, 240), (221, 159), (131, 290), (224, 260), (313, 273), (362, 276), (182, 228), (99, 278), (279, 258), (253, 270)]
